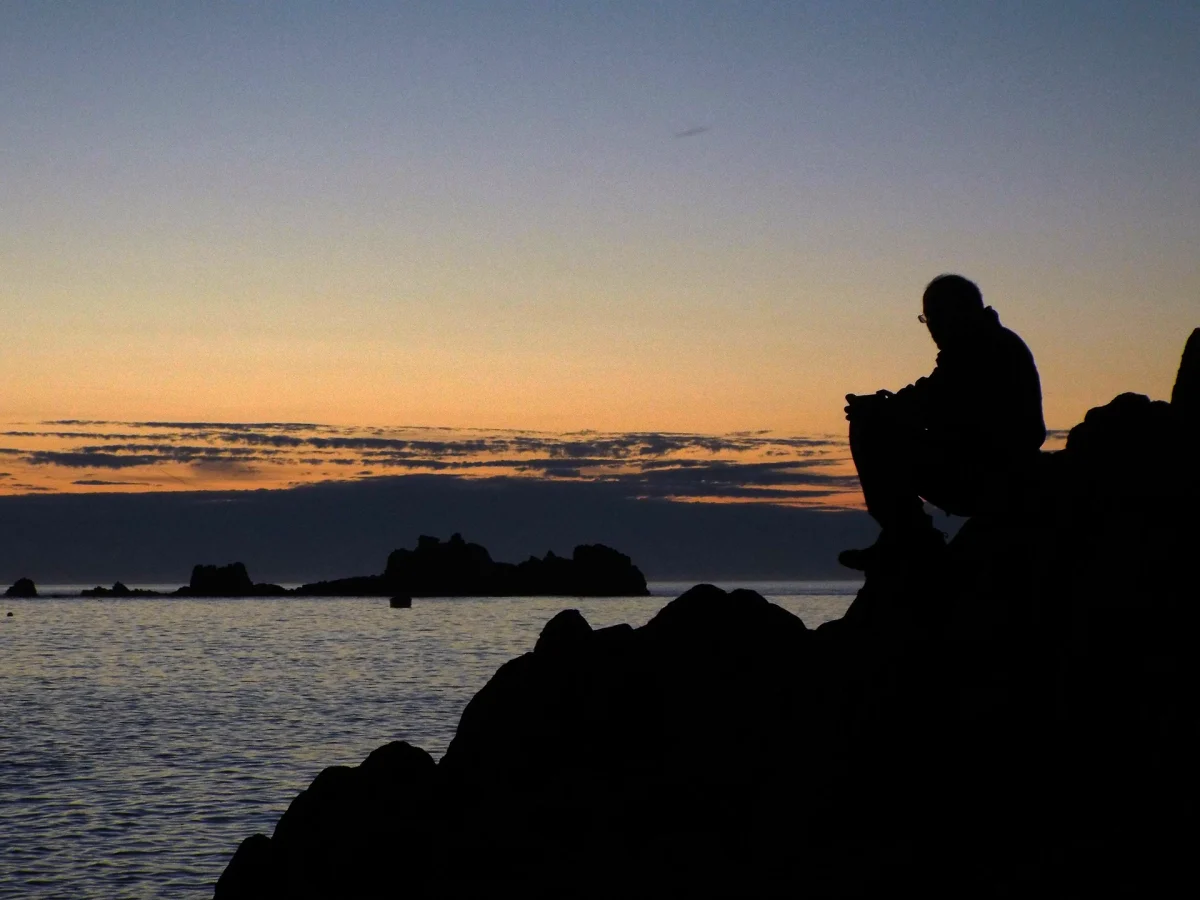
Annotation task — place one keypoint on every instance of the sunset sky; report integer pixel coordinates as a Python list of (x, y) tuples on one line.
[(615, 217)]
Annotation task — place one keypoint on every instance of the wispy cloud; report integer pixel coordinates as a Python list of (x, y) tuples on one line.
[(99, 482), (741, 466), (90, 459)]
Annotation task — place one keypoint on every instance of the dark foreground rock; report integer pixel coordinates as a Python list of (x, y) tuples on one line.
[(343, 836), (572, 766), (1013, 716), (22, 587)]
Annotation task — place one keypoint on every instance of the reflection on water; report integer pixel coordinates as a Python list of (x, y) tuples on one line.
[(141, 740)]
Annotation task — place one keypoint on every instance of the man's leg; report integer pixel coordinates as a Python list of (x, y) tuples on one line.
[(886, 451)]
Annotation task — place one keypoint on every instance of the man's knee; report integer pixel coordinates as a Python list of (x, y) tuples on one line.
[(877, 430)]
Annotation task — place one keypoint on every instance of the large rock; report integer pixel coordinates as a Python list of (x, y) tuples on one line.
[(567, 633), (604, 572), (453, 568), (22, 587), (365, 831), (638, 747), (221, 581), (231, 580)]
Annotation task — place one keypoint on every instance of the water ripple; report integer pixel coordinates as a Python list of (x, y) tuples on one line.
[(142, 739)]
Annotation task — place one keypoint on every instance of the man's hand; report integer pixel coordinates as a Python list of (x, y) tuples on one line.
[(858, 404), (851, 400)]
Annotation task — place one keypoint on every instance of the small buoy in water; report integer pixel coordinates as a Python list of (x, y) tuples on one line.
[(401, 601), (10, 615)]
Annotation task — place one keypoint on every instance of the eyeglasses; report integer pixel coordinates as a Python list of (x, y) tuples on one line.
[(922, 319)]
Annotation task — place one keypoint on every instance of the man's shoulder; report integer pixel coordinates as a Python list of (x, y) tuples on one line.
[(1008, 341)]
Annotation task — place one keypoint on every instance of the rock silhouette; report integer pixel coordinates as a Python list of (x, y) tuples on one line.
[(456, 568), (232, 580), (1013, 715), (434, 569), (1185, 397), (22, 587), (340, 836), (226, 581)]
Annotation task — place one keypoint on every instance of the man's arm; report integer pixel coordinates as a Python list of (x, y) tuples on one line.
[(915, 401), (912, 402)]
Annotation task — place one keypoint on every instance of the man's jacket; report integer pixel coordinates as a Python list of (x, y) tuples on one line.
[(984, 396)]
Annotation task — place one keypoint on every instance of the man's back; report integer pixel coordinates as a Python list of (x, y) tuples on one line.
[(984, 394)]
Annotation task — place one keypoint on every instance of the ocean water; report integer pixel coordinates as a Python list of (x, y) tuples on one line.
[(142, 739)]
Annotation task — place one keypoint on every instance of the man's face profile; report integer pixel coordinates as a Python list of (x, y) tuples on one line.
[(951, 308), (934, 316)]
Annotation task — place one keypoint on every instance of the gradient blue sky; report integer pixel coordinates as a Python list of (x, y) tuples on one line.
[(478, 214)]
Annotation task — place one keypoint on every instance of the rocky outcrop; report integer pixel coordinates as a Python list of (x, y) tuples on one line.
[(577, 764), (22, 587), (453, 568), (434, 569), (226, 581), (341, 837), (1013, 715), (457, 568)]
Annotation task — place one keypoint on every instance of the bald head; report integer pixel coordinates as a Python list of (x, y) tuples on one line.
[(952, 293), (953, 308)]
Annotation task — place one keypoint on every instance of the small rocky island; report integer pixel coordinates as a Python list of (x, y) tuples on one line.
[(22, 588), (1012, 715), (454, 568), (460, 569)]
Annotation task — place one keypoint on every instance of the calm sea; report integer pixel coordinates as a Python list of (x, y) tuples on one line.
[(142, 739)]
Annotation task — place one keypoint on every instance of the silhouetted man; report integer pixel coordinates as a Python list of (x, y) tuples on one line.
[(959, 438)]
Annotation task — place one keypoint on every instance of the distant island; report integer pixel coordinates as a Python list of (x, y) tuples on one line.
[(459, 569), (454, 568), (23, 588)]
